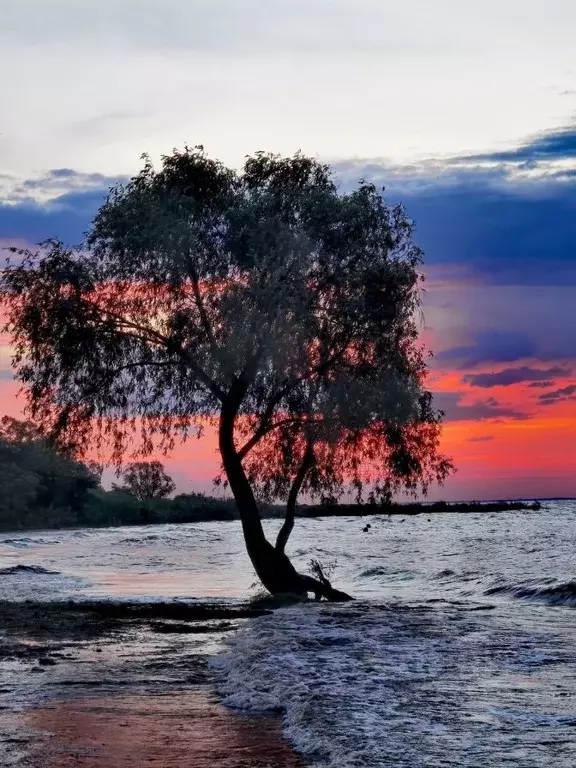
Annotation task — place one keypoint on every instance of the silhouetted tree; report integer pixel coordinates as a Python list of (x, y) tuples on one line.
[(146, 480), (264, 301), (36, 479), (17, 431)]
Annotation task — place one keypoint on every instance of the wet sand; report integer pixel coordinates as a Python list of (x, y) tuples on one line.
[(177, 730), (124, 686)]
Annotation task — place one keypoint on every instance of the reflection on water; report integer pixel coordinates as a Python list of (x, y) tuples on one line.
[(179, 730)]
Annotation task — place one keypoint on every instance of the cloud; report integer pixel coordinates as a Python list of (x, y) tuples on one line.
[(512, 222), (552, 145), (491, 346), (60, 181), (481, 410), (224, 26), (511, 376), (66, 216), (60, 203), (481, 439), (558, 395), (52, 184), (511, 235), (541, 384)]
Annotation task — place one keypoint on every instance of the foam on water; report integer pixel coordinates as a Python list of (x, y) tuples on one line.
[(458, 652), (365, 685)]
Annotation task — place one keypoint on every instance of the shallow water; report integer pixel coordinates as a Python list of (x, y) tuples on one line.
[(460, 650)]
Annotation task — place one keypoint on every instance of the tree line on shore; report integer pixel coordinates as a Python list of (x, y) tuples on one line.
[(41, 487)]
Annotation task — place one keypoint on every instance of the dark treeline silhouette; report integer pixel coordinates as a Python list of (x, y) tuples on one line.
[(359, 510), (40, 487)]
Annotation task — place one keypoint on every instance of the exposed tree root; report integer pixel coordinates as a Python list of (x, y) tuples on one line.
[(323, 589)]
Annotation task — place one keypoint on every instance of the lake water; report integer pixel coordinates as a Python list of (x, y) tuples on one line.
[(460, 649)]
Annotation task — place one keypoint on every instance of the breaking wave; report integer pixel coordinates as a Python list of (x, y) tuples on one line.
[(25, 542), (370, 684), (551, 594)]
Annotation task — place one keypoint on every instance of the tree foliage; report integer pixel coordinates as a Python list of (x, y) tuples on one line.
[(147, 480), (265, 301), (37, 482)]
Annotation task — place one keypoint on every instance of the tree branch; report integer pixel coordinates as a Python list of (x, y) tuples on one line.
[(262, 432), (264, 427), (288, 525), (151, 336), (200, 304)]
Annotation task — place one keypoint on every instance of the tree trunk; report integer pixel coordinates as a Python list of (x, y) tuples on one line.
[(272, 566), (288, 525)]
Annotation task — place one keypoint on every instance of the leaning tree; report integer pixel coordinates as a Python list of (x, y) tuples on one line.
[(265, 302)]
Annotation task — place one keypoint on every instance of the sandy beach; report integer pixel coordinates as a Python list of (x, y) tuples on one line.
[(123, 687)]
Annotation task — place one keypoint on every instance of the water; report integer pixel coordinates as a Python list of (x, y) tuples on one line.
[(460, 649)]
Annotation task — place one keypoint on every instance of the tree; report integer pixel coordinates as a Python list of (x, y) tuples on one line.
[(147, 480), (264, 302), (37, 482), (17, 432)]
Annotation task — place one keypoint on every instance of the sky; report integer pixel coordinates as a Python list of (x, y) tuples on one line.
[(465, 112)]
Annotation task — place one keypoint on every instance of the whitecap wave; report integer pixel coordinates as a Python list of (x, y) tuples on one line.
[(365, 685)]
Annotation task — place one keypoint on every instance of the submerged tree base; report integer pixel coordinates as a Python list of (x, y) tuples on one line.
[(279, 576)]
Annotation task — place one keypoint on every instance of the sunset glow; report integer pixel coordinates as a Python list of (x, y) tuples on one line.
[(507, 439), (479, 146)]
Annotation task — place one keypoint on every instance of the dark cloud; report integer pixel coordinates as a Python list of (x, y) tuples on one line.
[(541, 384), (481, 410), (493, 346), (509, 226), (6, 375), (481, 439), (61, 203), (66, 217), (514, 234), (553, 145), (511, 376), (558, 395)]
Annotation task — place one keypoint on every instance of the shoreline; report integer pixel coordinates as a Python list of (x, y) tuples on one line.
[(92, 685), (316, 511)]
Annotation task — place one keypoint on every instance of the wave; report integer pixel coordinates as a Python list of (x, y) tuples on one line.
[(36, 569), (377, 571), (391, 575), (445, 574), (20, 543), (372, 684), (551, 594), (24, 542)]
